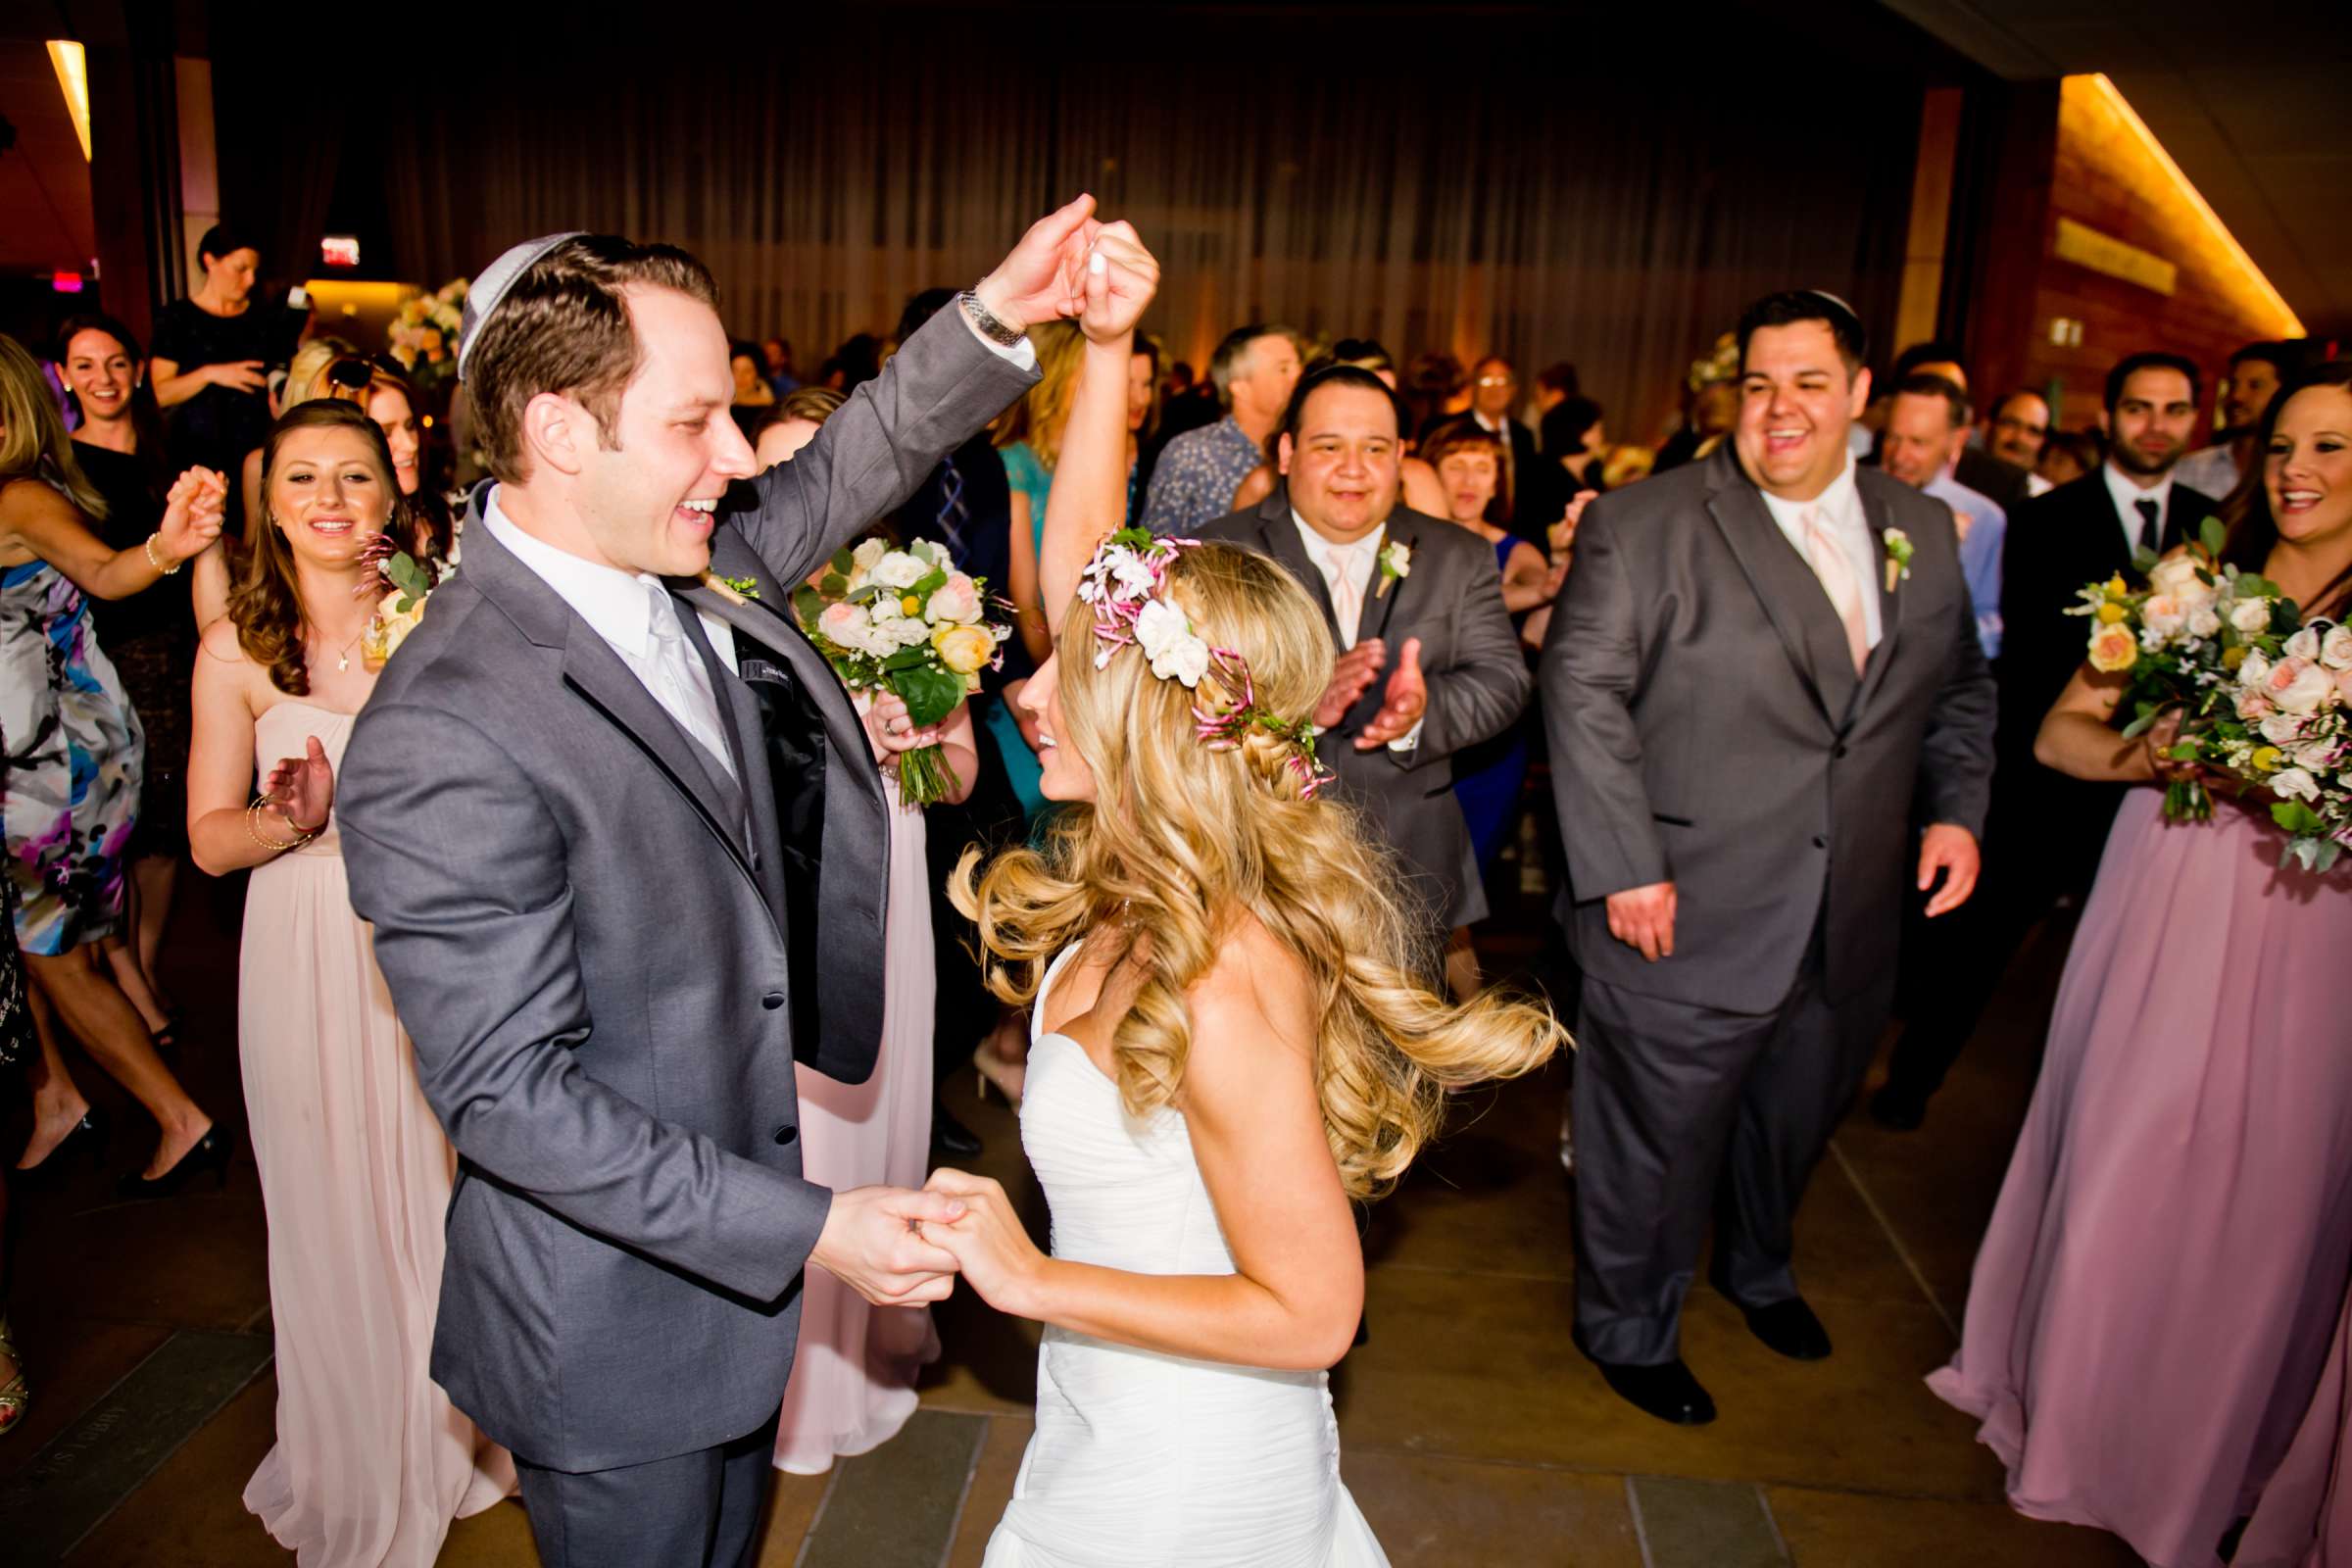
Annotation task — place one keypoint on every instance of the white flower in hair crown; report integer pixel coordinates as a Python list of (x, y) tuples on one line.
[(1125, 584)]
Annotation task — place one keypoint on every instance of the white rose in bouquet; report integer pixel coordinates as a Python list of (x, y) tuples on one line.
[(2297, 685), (899, 570), (2294, 784), (2304, 644), (2162, 617), (865, 557), (2203, 623), (2335, 649), (2177, 577), (2250, 614), (2281, 729)]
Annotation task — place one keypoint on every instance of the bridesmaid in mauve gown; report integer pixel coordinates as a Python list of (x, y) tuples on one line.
[(2152, 1313), (854, 1373), (371, 1460)]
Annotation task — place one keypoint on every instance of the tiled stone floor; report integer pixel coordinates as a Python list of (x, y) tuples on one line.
[(1474, 1432)]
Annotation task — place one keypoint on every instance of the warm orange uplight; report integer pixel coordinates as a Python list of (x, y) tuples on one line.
[(2195, 223), (72, 66)]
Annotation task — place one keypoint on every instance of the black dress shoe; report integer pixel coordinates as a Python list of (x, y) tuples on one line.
[(1789, 1327), (211, 1155), (950, 1136), (1898, 1110), (1666, 1391)]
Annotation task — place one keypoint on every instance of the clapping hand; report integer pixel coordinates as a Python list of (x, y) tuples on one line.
[(991, 1245), (1563, 532), (1121, 277), (1402, 705), (1045, 275), (883, 1243), (1351, 675), (192, 514), (303, 788)]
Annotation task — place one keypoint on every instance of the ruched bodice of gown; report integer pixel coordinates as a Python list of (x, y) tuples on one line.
[(1141, 1458)]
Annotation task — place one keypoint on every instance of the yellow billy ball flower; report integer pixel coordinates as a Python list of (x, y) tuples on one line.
[(2231, 657), (2266, 759), (911, 604), (2111, 612)]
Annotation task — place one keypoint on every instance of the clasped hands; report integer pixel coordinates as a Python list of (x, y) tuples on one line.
[(900, 1247), (1401, 706)]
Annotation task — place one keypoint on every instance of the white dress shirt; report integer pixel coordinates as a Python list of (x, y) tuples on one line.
[(1841, 507), (2128, 495), (615, 605), (1359, 562)]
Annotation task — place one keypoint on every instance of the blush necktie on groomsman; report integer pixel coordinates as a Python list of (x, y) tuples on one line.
[(1347, 595), (1837, 573)]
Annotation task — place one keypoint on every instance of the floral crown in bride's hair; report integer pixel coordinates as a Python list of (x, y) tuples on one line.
[(1126, 585)]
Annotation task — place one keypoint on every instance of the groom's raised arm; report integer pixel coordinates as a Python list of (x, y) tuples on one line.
[(462, 869), (944, 383), (1591, 662)]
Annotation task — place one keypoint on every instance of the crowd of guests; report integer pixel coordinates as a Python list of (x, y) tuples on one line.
[(2176, 1234)]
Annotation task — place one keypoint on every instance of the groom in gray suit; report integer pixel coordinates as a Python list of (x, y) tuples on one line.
[(1758, 663), (562, 811)]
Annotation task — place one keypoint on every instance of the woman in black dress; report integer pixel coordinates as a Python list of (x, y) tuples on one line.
[(212, 352), (151, 635)]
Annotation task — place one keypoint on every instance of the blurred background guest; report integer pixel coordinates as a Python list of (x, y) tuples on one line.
[(2067, 455), (2016, 430), (72, 780), (1528, 501), (1575, 443), (1925, 431), (212, 352), (1710, 407), (2256, 372), (1143, 420), (1254, 369), (792, 421), (753, 393), (775, 355), (149, 635)]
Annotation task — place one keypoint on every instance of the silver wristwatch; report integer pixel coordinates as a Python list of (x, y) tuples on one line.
[(985, 319)]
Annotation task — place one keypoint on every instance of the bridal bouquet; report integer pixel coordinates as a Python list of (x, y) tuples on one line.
[(403, 583), (904, 622), (2184, 641), (2288, 729)]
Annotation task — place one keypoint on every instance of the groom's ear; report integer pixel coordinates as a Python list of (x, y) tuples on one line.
[(553, 427)]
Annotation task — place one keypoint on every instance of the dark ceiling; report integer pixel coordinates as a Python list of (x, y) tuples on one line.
[(2249, 97)]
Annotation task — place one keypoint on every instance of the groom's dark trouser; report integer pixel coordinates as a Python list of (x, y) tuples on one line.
[(1682, 1109), (692, 1510)]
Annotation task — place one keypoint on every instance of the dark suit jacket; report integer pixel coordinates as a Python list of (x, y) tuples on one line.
[(2001, 481), (585, 927), (1707, 728), (2048, 824), (1477, 684)]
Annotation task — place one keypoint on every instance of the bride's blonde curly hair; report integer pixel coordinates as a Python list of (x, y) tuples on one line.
[(1182, 838)]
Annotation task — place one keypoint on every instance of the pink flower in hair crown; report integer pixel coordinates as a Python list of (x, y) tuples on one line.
[(1126, 584)]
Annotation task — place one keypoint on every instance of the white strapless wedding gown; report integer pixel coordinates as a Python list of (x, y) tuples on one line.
[(1143, 1460)]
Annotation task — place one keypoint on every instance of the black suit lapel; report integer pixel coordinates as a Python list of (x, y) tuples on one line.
[(1791, 594)]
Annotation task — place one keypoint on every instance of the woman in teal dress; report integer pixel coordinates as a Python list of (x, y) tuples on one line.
[(1028, 438), (71, 788)]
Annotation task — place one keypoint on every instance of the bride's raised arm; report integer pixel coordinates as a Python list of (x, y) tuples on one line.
[(1089, 498)]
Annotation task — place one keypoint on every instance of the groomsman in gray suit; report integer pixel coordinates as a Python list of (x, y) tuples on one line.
[(1758, 663), (1428, 661), (576, 809)]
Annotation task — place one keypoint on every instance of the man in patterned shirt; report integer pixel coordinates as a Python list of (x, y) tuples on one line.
[(1255, 369)]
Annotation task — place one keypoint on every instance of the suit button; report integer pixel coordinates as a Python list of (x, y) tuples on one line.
[(772, 1001), (785, 1135), (1840, 753), (1820, 843)]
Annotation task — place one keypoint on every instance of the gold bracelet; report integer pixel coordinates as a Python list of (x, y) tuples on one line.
[(149, 548), (253, 826)]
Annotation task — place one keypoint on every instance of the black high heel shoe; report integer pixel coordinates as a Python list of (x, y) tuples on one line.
[(210, 1153), (90, 1137)]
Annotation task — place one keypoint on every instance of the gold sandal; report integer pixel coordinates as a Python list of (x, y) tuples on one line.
[(15, 1398)]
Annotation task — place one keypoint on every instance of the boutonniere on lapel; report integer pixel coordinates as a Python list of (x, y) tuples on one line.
[(1395, 561), (738, 589), (1899, 557)]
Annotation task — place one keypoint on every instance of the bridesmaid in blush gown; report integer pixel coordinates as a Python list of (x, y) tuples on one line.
[(852, 1377), (371, 1461), (2151, 1317)]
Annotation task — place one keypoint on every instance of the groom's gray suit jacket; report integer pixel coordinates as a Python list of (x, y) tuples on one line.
[(583, 926), (1707, 728)]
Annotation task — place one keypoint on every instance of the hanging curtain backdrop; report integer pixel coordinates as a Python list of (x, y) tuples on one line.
[(1462, 180)]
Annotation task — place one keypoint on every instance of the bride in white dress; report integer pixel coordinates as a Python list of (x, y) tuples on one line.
[(1232, 1043)]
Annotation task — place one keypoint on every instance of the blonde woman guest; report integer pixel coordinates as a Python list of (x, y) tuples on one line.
[(1214, 1076), (371, 1461), (792, 422), (70, 778)]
